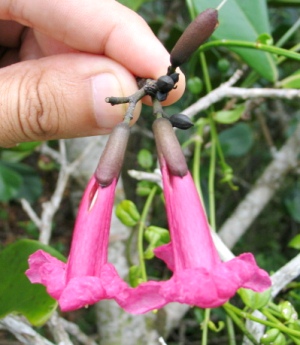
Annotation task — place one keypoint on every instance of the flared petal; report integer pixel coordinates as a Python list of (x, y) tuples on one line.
[(199, 287), (77, 292), (47, 270), (142, 299), (87, 277)]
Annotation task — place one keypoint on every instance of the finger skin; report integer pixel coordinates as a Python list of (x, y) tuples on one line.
[(54, 97), (99, 26)]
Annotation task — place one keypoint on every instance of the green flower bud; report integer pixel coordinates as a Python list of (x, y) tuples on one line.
[(288, 311), (270, 336), (223, 65), (195, 85), (127, 212)]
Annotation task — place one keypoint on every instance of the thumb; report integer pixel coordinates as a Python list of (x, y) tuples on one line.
[(61, 97)]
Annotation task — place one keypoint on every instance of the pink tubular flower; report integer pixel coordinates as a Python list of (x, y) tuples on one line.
[(87, 277), (199, 277)]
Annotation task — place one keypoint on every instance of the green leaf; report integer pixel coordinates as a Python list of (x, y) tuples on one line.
[(295, 242), (127, 212), (292, 202), (17, 294), (244, 20), (19, 152), (145, 159), (133, 4), (10, 183), (237, 140), (30, 187), (229, 116), (292, 81)]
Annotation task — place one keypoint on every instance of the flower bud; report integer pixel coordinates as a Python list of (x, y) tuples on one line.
[(270, 336), (193, 36), (165, 83), (181, 121), (161, 96), (111, 161), (128, 213), (168, 147)]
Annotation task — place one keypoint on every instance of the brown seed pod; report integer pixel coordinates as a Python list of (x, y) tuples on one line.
[(193, 36), (168, 147), (181, 121), (111, 160)]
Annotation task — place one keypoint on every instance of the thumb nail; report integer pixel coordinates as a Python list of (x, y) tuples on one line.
[(107, 85)]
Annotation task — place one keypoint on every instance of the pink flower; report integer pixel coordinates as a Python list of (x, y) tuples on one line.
[(87, 277), (199, 277)]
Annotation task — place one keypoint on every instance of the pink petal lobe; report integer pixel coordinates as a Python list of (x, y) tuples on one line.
[(165, 253), (47, 270), (142, 299), (80, 292)]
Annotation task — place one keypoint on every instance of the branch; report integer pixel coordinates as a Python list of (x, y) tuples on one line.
[(22, 331), (262, 191), (227, 91), (76, 332), (60, 335)]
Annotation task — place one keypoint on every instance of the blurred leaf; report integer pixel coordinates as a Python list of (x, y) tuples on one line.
[(25, 180), (292, 81), (133, 4), (10, 183), (244, 20), (229, 116), (237, 140), (19, 152), (295, 242), (17, 294), (292, 202), (145, 159), (31, 146)]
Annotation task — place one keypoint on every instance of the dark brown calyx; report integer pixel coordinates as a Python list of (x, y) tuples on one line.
[(181, 121), (193, 36), (168, 147), (111, 160)]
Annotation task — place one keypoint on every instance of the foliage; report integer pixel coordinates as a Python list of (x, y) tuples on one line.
[(227, 149)]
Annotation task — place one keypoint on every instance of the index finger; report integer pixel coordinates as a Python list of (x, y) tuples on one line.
[(96, 26)]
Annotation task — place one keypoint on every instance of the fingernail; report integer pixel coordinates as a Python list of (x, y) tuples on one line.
[(107, 85)]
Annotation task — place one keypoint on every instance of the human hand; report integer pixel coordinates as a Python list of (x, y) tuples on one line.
[(60, 60)]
